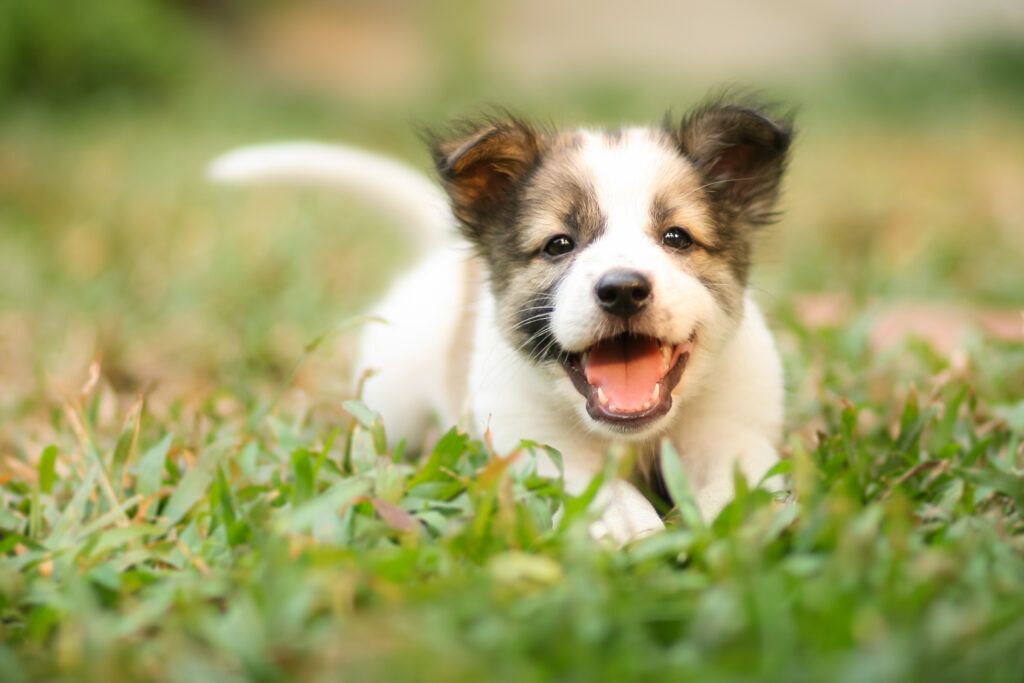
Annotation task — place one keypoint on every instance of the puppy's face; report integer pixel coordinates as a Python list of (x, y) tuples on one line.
[(618, 260)]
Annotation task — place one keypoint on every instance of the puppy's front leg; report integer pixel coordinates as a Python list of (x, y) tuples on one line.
[(626, 514), (710, 459)]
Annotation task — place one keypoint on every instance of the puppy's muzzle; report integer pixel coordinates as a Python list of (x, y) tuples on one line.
[(623, 293)]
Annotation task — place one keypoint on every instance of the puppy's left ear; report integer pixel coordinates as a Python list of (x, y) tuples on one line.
[(742, 152), (481, 165)]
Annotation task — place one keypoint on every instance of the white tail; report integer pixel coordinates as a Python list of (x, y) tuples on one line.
[(397, 189)]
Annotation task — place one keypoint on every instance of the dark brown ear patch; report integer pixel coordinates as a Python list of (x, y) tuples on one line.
[(741, 150), (482, 167)]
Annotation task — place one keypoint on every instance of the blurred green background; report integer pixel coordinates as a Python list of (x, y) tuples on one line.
[(907, 182)]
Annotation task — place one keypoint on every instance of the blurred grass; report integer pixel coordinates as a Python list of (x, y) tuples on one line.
[(64, 52), (902, 560)]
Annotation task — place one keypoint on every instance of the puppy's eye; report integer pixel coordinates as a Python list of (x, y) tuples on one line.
[(678, 238), (559, 245)]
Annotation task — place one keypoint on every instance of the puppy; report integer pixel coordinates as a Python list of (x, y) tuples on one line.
[(602, 302)]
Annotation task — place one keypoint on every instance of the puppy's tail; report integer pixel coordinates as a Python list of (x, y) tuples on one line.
[(400, 191)]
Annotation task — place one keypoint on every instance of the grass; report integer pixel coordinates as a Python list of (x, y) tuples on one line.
[(233, 543), (188, 491)]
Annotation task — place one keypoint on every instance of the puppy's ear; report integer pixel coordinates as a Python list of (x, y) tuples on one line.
[(482, 165), (741, 151)]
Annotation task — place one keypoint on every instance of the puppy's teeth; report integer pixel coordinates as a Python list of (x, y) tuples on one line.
[(584, 358), (666, 356), (656, 394), (601, 398)]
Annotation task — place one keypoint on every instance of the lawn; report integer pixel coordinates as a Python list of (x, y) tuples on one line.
[(191, 492)]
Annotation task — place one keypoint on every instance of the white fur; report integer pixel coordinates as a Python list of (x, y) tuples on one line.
[(408, 351), (727, 409)]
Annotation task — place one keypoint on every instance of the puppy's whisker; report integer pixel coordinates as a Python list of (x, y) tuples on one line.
[(532, 319)]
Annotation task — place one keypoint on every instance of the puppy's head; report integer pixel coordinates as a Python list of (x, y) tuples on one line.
[(618, 259)]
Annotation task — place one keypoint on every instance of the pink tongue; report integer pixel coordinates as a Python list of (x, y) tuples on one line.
[(626, 370)]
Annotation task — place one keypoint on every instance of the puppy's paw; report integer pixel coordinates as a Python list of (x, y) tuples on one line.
[(627, 515), (754, 455)]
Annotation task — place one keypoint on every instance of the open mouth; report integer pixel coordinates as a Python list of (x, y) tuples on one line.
[(628, 379)]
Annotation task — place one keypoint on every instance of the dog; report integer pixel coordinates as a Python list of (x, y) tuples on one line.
[(602, 302)]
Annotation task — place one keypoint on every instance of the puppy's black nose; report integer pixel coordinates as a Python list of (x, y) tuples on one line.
[(623, 292)]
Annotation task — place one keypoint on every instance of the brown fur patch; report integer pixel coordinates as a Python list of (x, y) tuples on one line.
[(557, 199), (720, 259), (481, 165)]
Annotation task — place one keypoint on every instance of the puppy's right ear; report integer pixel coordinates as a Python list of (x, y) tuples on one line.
[(481, 166)]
